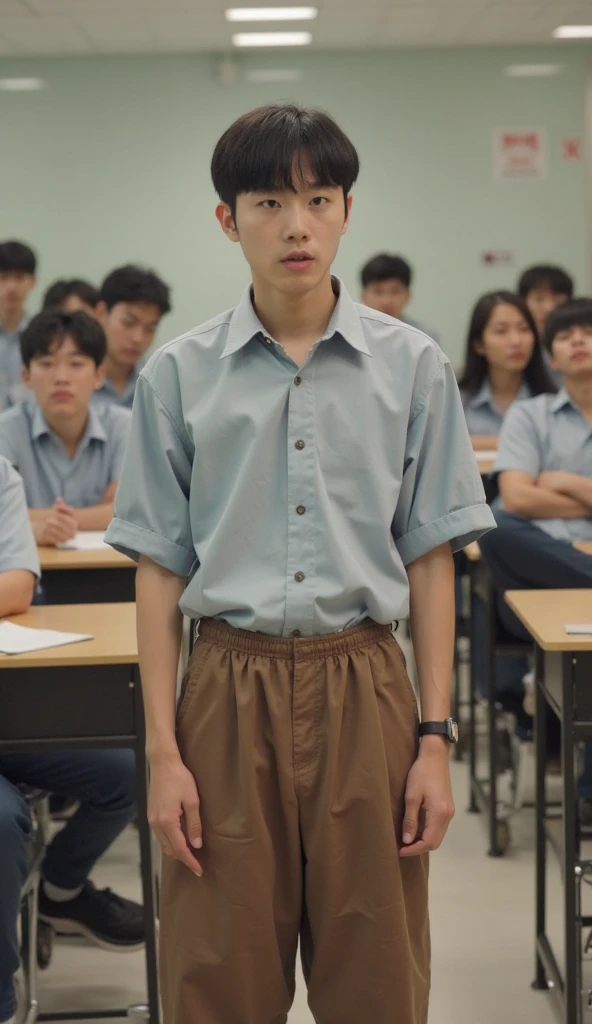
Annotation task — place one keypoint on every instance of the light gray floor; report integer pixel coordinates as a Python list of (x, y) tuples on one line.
[(482, 926)]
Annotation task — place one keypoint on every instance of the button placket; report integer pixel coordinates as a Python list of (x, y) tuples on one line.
[(300, 495)]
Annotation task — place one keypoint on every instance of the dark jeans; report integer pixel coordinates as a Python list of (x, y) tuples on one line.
[(520, 556), (104, 782)]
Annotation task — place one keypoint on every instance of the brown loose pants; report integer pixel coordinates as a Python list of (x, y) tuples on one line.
[(300, 749)]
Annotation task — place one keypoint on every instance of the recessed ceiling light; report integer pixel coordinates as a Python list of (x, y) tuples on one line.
[(532, 70), (21, 84), (573, 32), (271, 14), (273, 75), (272, 39)]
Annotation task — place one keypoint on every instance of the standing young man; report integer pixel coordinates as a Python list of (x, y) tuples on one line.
[(297, 469), (18, 266)]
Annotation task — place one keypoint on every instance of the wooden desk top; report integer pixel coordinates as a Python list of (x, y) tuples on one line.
[(484, 466), (102, 558), (584, 545), (473, 552), (113, 627), (545, 612)]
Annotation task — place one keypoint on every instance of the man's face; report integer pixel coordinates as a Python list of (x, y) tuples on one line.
[(289, 239), (571, 352), (74, 304), (63, 381), (15, 286), (390, 297), (541, 303), (130, 328)]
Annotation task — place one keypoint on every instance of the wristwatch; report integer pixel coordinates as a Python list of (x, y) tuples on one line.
[(447, 728)]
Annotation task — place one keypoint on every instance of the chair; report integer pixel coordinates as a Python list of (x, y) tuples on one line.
[(36, 939)]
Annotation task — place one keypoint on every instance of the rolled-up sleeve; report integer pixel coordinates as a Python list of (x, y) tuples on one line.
[(151, 515), (17, 544), (519, 443), (441, 497)]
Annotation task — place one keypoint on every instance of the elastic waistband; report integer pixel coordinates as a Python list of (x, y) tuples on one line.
[(292, 648)]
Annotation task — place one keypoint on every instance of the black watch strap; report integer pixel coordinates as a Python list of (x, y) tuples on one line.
[(447, 728)]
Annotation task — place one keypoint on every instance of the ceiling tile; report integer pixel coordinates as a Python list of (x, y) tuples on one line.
[(54, 35), (127, 34)]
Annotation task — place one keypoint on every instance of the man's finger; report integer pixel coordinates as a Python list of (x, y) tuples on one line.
[(175, 837), (410, 821), (415, 849), (193, 823)]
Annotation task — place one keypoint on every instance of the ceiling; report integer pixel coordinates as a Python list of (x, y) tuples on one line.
[(87, 27)]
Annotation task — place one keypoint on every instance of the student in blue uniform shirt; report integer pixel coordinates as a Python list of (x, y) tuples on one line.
[(132, 304), (503, 364), (544, 468), (18, 266), (102, 780), (386, 286), (544, 287), (68, 452), (72, 295)]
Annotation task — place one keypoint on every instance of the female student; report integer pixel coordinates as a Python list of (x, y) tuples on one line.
[(503, 363)]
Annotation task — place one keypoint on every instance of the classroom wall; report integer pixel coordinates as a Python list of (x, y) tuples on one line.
[(110, 163)]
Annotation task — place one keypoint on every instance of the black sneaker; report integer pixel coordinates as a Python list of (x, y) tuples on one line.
[(103, 917)]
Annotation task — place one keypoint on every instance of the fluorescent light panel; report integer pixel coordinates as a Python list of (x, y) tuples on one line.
[(271, 14), (272, 39), (21, 84), (573, 32), (532, 70)]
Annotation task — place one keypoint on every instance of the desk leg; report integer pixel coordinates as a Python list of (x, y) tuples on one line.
[(494, 848), (540, 741), (473, 805), (148, 873), (573, 987)]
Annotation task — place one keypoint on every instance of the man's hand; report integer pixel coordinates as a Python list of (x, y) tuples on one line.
[(58, 526), (173, 796), (429, 794)]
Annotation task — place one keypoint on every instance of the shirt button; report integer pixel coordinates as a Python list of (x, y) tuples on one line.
[(296, 633), (301, 510), (298, 381), (300, 445), (268, 341), (299, 576)]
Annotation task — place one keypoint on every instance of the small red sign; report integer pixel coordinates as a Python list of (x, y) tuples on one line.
[(572, 149)]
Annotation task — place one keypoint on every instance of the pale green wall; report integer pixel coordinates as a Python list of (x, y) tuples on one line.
[(110, 163)]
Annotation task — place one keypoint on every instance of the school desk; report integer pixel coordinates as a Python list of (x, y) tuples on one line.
[(86, 577)]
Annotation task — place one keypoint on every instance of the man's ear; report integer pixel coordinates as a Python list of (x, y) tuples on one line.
[(101, 312), (100, 376), (348, 204), (225, 218), (26, 377)]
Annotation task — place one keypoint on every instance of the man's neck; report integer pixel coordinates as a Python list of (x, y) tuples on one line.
[(70, 432), (11, 318), (580, 392), (295, 322), (505, 384), (117, 374)]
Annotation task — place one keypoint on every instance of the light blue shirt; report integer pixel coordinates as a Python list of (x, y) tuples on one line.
[(17, 544), (107, 394), (292, 499), (543, 434), (417, 324), (482, 414), (12, 389), (48, 471)]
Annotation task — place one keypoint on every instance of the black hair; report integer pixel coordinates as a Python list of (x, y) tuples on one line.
[(577, 313), (134, 284), (386, 268), (476, 368), (52, 326), (557, 280), (259, 151), (59, 291), (18, 258)]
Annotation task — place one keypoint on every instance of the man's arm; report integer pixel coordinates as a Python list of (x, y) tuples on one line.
[(17, 587), (523, 496), (173, 792), (572, 485), (432, 621)]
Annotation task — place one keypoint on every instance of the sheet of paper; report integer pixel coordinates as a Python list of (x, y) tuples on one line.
[(486, 456), (21, 639), (86, 540), (578, 628)]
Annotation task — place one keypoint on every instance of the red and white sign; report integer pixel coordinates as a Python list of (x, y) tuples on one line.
[(497, 257), (520, 153), (572, 149)]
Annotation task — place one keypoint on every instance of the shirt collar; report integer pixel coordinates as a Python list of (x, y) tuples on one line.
[(485, 395), (94, 428), (15, 335), (560, 400), (345, 321), (130, 385)]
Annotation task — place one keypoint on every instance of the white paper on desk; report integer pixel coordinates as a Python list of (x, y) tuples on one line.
[(86, 540), (578, 628), (21, 639), (486, 456)]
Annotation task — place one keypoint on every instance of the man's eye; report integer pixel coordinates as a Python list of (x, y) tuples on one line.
[(319, 201), (269, 204)]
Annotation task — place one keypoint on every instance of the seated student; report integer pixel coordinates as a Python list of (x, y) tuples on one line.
[(133, 302), (72, 295), (543, 288), (103, 781), (503, 364), (68, 452), (18, 265), (544, 468), (386, 286)]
